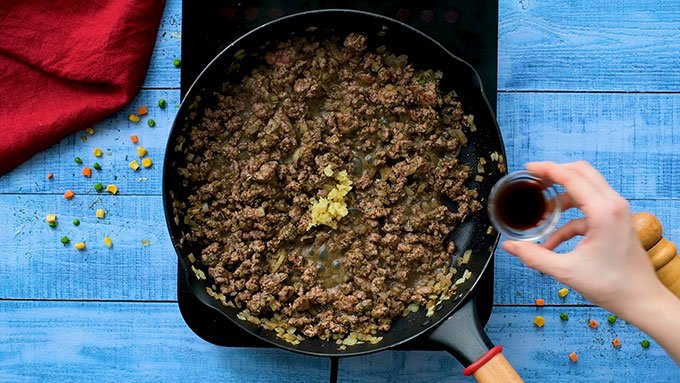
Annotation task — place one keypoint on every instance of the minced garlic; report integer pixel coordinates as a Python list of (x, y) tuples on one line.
[(330, 209)]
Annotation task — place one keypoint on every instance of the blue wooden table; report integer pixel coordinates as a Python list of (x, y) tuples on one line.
[(577, 80)]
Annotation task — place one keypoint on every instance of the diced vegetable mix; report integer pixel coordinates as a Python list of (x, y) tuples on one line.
[(539, 321), (563, 292)]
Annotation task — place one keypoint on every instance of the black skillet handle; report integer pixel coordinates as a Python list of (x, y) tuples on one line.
[(464, 337)]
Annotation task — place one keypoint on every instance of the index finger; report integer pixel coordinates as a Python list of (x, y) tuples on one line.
[(575, 184)]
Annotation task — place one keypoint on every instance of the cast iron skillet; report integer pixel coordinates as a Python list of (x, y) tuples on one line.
[(454, 324)]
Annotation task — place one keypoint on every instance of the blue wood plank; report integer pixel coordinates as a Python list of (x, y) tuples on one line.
[(585, 45), (557, 45), (93, 342), (162, 73), (113, 136), (516, 284), (631, 138), (37, 266)]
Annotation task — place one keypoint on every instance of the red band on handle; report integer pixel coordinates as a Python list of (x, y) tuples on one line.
[(471, 369)]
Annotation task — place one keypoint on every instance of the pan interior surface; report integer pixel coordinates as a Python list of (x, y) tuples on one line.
[(247, 53)]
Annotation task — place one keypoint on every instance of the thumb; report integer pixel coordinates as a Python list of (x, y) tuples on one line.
[(537, 257)]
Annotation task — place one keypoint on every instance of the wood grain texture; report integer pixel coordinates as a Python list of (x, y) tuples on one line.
[(516, 284), (561, 45), (94, 342), (36, 265), (129, 271), (113, 137), (589, 46), (162, 73), (631, 138), (557, 45)]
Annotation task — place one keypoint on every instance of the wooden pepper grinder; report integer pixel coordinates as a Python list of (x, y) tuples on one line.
[(662, 252)]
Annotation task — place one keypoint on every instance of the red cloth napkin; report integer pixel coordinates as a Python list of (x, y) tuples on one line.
[(66, 64)]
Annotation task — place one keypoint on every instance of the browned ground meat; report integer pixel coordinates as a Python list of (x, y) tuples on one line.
[(260, 155)]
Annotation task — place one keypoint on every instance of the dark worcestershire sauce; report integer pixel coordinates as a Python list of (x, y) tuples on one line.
[(521, 205)]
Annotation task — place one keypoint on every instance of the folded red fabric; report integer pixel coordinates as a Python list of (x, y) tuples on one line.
[(66, 64)]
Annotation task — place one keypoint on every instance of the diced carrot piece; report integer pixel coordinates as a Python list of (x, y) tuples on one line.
[(69, 194), (592, 323), (540, 302), (573, 357), (50, 176), (616, 342), (134, 139), (142, 110), (87, 172)]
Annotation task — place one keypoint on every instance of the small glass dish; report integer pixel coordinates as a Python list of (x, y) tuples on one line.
[(524, 207)]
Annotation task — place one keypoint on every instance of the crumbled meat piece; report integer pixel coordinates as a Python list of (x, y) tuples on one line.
[(263, 153)]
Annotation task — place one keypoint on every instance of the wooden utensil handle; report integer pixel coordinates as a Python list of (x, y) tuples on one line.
[(497, 369), (663, 254)]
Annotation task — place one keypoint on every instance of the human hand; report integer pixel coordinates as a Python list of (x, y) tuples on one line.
[(609, 266)]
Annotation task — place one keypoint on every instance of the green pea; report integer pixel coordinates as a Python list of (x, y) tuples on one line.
[(65, 240), (177, 63), (162, 103), (52, 224), (97, 166), (78, 160), (611, 319), (76, 222), (151, 122), (564, 316), (645, 343), (98, 187)]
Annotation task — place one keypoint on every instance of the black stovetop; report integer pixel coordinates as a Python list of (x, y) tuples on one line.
[(467, 28)]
